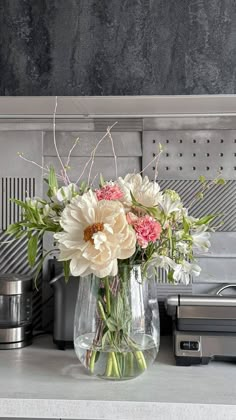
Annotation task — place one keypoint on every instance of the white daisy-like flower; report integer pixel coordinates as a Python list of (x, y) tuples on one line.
[(200, 238), (183, 271), (96, 234), (145, 192)]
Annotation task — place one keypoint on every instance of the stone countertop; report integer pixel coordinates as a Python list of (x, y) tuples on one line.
[(42, 382)]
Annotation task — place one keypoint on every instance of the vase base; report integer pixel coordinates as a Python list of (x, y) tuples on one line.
[(125, 363)]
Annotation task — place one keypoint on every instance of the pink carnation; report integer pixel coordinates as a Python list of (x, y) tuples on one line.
[(147, 230), (109, 192)]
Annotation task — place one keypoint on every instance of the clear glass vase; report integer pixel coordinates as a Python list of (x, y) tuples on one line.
[(116, 328)]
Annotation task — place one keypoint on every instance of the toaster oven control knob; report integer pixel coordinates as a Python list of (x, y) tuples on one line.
[(189, 345)]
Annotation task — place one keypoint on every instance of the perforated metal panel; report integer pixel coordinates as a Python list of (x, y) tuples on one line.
[(189, 154)]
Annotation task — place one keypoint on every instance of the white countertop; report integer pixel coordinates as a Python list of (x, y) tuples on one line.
[(42, 382)]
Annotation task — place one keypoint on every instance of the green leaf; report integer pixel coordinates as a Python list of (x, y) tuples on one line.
[(206, 219), (66, 268), (39, 267), (32, 249), (170, 276), (185, 225), (200, 195), (13, 229), (202, 179), (220, 181), (101, 181), (111, 324), (19, 203), (104, 338), (52, 179)]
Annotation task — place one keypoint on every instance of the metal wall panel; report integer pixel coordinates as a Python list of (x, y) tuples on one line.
[(125, 144), (188, 154), (20, 180)]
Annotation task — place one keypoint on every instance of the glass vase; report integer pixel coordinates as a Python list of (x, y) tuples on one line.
[(116, 327)]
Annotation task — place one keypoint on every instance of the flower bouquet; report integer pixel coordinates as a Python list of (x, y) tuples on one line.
[(116, 237)]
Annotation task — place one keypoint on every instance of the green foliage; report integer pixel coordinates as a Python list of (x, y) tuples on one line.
[(206, 219), (101, 181), (152, 211), (66, 269), (52, 179), (220, 181), (202, 179), (32, 249)]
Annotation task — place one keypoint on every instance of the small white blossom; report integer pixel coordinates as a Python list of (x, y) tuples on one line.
[(200, 238), (183, 271), (170, 203), (182, 247), (65, 194)]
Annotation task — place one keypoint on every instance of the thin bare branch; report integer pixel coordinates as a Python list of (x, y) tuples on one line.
[(55, 144), (91, 159), (113, 150), (71, 150), (36, 164), (94, 179), (156, 158)]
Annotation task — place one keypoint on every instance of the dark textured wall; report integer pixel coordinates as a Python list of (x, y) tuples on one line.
[(117, 47)]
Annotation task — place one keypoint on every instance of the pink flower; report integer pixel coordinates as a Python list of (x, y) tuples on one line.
[(109, 192), (147, 230)]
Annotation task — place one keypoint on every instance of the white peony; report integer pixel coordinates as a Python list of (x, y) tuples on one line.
[(145, 192), (96, 234)]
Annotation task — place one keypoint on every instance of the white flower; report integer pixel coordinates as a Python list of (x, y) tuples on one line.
[(65, 194), (48, 211), (182, 247), (160, 261), (201, 238), (145, 192), (170, 202), (96, 234), (183, 271)]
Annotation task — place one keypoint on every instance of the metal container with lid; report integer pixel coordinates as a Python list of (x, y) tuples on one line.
[(15, 311)]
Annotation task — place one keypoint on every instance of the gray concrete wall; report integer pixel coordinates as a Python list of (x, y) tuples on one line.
[(117, 47)]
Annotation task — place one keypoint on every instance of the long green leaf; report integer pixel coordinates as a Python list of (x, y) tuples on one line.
[(66, 268), (32, 249), (206, 219), (52, 179), (39, 267)]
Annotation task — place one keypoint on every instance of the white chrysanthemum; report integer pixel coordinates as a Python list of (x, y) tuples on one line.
[(145, 192), (96, 234)]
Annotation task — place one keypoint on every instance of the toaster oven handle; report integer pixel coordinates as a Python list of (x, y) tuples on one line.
[(227, 286)]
